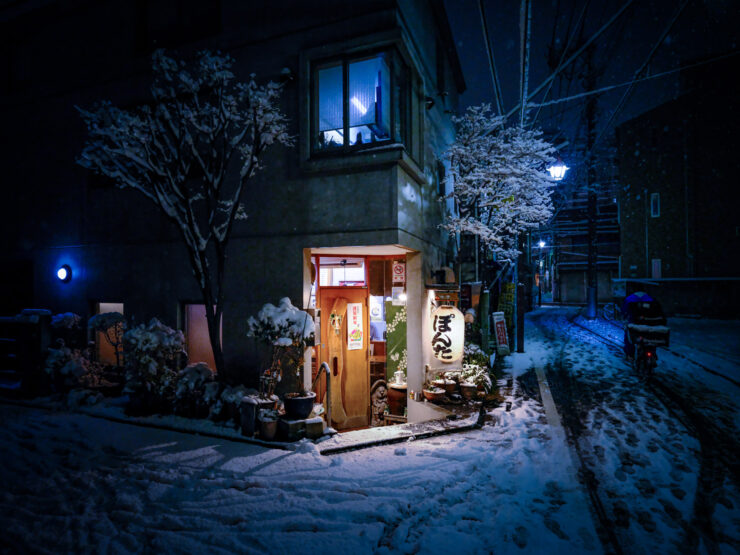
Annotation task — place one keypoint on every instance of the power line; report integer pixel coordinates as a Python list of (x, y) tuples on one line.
[(640, 71), (497, 95), (575, 55), (633, 81), (562, 57)]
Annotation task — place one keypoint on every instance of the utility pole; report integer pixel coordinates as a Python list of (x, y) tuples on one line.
[(592, 275), (525, 21)]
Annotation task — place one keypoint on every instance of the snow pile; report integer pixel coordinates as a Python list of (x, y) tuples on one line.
[(283, 325)]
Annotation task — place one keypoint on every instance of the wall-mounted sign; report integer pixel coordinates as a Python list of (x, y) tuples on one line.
[(448, 334), (399, 272), (354, 326)]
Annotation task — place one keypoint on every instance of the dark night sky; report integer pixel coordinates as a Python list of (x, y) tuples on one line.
[(705, 28)]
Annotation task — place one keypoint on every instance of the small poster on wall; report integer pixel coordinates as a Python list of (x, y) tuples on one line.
[(354, 326), (399, 272)]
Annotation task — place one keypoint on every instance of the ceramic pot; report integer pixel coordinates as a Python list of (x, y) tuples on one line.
[(298, 408), (434, 395), (268, 429), (450, 386), (248, 410), (396, 399), (468, 390)]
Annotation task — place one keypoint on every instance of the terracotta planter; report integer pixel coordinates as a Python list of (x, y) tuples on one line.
[(436, 394), (268, 429), (468, 390), (450, 386), (298, 408)]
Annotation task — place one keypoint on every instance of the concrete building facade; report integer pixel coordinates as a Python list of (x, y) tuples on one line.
[(313, 210)]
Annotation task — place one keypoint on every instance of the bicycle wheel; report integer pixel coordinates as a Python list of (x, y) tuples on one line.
[(609, 311)]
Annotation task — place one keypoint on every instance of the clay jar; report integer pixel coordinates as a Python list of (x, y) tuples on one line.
[(396, 398)]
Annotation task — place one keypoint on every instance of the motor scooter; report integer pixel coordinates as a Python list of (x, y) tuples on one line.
[(646, 340), (646, 358)]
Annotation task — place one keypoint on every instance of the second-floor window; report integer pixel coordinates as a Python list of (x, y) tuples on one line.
[(359, 101)]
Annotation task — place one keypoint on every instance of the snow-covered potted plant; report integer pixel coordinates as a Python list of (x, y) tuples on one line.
[(289, 331), (190, 390), (268, 420), (152, 354), (433, 393), (474, 377)]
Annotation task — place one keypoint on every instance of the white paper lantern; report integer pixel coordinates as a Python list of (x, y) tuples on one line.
[(448, 334)]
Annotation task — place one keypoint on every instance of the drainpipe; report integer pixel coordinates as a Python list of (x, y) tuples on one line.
[(647, 257), (689, 256)]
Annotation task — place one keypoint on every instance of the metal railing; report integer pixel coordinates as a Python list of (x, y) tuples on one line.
[(327, 371)]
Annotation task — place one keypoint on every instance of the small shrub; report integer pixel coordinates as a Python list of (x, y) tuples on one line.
[(152, 354)]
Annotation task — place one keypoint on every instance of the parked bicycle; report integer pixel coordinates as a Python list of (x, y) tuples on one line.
[(612, 312)]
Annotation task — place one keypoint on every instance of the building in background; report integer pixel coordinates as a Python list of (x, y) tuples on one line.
[(679, 204)]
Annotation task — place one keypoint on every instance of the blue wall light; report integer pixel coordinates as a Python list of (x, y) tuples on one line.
[(64, 273)]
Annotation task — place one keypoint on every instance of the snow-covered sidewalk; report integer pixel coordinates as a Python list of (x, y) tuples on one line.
[(76, 483)]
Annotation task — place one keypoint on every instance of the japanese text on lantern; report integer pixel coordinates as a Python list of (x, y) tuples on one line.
[(448, 334)]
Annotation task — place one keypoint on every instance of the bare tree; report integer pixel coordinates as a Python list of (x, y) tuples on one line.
[(191, 151)]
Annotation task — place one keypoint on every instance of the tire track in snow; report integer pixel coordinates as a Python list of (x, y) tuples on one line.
[(608, 535), (719, 455)]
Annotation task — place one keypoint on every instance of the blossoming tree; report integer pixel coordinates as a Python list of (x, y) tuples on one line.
[(191, 151), (500, 185)]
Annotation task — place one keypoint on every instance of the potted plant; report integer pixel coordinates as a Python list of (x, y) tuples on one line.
[(268, 420), (433, 393), (152, 353), (190, 390), (289, 331), (474, 378)]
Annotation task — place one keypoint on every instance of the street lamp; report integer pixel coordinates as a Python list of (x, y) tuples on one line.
[(558, 169)]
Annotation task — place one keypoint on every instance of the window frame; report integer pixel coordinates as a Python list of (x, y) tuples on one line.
[(401, 101)]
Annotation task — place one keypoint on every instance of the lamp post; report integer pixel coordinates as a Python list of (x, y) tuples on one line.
[(540, 272)]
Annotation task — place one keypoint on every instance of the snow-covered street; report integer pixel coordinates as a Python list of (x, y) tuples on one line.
[(639, 469)]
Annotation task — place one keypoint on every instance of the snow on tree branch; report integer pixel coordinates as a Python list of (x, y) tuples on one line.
[(177, 150), (500, 185), (191, 150)]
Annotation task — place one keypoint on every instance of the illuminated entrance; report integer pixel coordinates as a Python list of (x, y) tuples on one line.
[(362, 331)]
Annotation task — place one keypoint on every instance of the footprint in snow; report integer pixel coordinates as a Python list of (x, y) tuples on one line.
[(554, 527), (520, 536), (400, 451), (646, 521)]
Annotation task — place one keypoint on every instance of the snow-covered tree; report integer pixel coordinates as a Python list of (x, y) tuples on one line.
[(500, 184), (191, 151)]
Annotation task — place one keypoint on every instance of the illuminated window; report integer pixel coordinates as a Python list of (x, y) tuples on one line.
[(359, 101)]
